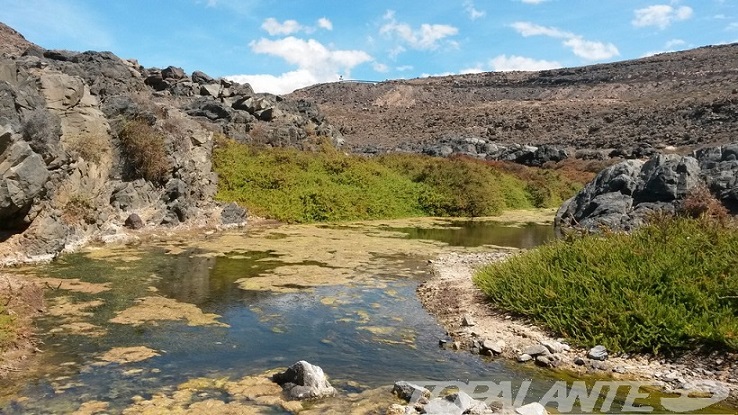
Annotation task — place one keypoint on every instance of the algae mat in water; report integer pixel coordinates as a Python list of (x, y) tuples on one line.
[(231, 306)]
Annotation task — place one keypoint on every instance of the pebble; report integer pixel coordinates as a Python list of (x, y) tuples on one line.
[(598, 352), (524, 358), (536, 350), (468, 321), (495, 347)]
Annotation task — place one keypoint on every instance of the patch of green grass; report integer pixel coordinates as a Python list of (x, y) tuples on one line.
[(667, 287), (296, 186), (9, 334)]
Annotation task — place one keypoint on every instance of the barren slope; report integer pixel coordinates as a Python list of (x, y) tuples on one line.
[(684, 98)]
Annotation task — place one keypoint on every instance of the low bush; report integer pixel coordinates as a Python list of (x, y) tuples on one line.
[(295, 186), (328, 185), (144, 150), (666, 287)]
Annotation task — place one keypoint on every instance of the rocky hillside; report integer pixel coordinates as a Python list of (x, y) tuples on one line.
[(680, 99), (91, 143)]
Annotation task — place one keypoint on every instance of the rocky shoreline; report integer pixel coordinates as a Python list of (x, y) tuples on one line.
[(472, 324)]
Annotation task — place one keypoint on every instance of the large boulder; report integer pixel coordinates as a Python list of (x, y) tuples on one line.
[(624, 195), (304, 381), (23, 174)]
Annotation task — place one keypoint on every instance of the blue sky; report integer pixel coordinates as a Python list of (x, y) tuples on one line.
[(281, 45)]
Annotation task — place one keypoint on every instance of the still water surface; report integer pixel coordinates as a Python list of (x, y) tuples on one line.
[(364, 332)]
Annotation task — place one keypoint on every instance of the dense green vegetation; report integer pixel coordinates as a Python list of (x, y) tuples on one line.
[(666, 287), (327, 185)]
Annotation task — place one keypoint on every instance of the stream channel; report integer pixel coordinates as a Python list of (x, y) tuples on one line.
[(128, 326)]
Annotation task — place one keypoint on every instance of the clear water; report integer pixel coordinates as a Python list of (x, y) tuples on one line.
[(363, 334)]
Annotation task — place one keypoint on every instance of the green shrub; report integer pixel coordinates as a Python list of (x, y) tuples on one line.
[(328, 185), (666, 287), (144, 150), (295, 186)]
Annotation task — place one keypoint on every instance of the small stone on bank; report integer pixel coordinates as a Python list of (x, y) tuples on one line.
[(410, 392), (468, 321), (495, 347), (536, 350), (525, 358), (598, 352)]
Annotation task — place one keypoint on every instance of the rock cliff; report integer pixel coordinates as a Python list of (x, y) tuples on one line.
[(91, 143)]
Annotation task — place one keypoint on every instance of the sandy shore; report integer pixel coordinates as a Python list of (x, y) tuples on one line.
[(450, 295)]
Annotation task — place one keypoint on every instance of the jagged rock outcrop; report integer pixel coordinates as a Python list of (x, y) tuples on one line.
[(70, 124), (623, 196)]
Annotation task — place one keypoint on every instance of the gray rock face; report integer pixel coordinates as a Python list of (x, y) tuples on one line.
[(23, 175), (233, 214), (304, 381), (622, 196)]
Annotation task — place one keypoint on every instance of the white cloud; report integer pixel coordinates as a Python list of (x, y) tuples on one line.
[(404, 68), (380, 67), (675, 43), (324, 23), (533, 1), (585, 49), (670, 46), (531, 29), (472, 11), (591, 50), (471, 70), (274, 27), (290, 27), (426, 37), (521, 63), (433, 75), (315, 62), (661, 15), (280, 84)]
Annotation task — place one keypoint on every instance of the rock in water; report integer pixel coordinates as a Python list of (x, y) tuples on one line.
[(304, 381), (410, 391), (534, 408)]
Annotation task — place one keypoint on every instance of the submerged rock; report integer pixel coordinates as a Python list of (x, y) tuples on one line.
[(304, 381)]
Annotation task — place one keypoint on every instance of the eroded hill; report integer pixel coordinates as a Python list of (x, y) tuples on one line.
[(686, 98)]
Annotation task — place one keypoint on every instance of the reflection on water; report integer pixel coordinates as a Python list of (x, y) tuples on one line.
[(364, 333), (471, 233), (373, 334)]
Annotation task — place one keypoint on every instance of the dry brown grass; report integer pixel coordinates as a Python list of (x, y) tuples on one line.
[(90, 147), (701, 203), (144, 149)]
